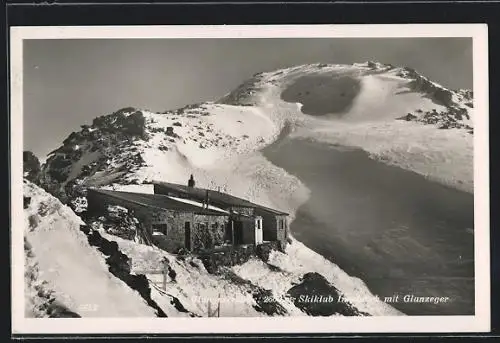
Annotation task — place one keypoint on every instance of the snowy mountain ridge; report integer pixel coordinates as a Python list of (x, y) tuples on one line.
[(127, 146)]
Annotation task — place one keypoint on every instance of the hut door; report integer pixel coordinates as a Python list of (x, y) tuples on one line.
[(187, 235), (238, 232), (258, 230)]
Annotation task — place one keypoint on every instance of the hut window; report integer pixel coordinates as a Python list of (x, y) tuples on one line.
[(160, 228), (281, 224)]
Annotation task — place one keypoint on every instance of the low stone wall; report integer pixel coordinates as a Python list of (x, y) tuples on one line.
[(264, 250), (230, 256), (213, 260)]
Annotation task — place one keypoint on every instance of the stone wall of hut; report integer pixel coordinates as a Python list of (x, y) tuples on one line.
[(207, 231)]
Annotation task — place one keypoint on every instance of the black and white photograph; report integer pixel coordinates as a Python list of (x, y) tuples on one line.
[(309, 178)]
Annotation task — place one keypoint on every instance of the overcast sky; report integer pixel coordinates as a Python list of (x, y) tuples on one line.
[(67, 83)]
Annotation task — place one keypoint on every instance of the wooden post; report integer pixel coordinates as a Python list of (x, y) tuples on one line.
[(218, 307), (164, 280), (232, 231)]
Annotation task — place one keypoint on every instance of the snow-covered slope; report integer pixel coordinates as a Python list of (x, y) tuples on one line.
[(63, 273), (192, 285), (238, 290)]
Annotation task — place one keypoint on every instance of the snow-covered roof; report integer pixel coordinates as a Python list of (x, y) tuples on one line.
[(215, 197), (161, 202), (199, 204)]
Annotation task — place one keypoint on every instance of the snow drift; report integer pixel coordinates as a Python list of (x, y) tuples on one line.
[(62, 268)]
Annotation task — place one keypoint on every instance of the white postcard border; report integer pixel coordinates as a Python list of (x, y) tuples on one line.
[(480, 322)]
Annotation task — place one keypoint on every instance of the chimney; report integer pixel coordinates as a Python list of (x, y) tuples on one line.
[(191, 181)]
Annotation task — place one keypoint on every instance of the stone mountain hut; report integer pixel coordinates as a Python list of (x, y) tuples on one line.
[(195, 219)]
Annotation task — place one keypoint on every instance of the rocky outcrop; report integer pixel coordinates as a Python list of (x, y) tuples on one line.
[(452, 118), (243, 94), (435, 92), (116, 221), (127, 120), (31, 167), (107, 147), (315, 296), (457, 103), (264, 298)]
